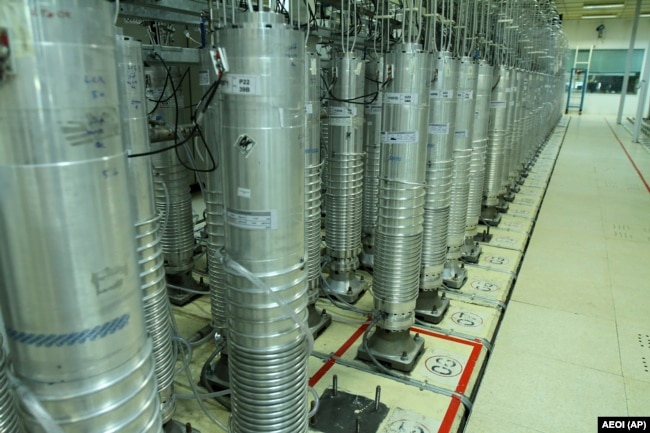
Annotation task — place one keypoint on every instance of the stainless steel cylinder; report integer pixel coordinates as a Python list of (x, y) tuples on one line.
[(511, 97), (9, 421), (439, 162), (171, 179), (479, 147), (497, 136), (517, 127), (75, 322), (398, 236), (312, 175), (215, 211), (147, 222), (263, 128), (371, 139), (462, 155), (345, 161)]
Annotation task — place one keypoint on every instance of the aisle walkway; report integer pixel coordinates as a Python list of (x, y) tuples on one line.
[(575, 340)]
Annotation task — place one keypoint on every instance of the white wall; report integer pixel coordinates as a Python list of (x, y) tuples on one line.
[(582, 34)]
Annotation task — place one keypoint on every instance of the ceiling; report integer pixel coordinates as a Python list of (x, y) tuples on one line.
[(574, 10)]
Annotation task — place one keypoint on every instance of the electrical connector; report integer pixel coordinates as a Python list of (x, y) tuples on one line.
[(219, 60)]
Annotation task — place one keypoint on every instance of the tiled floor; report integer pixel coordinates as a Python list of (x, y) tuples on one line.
[(574, 343)]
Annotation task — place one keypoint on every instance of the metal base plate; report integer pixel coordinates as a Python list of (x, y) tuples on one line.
[(485, 236), (431, 306), (508, 197), (179, 297), (218, 379), (503, 206), (177, 427), (454, 274), (515, 187), (397, 350), (339, 413), (490, 216), (318, 321), (470, 251), (347, 290)]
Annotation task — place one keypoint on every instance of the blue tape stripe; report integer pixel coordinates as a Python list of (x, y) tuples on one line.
[(70, 339)]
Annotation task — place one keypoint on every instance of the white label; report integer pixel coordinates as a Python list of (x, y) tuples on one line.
[(243, 192), (258, 220), (401, 98), (441, 94), (241, 84), (460, 134), (309, 108), (465, 94), (204, 78), (439, 128), (343, 111), (399, 137), (373, 109), (340, 121), (498, 104)]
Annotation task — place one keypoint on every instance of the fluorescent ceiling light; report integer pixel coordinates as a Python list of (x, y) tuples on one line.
[(596, 17), (603, 6), (645, 15)]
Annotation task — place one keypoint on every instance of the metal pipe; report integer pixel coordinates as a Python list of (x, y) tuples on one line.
[(75, 322)]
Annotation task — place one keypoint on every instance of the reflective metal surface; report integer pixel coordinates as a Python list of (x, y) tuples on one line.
[(75, 322), (147, 222), (371, 138), (9, 422), (263, 128)]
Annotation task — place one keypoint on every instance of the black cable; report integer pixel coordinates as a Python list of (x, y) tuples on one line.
[(208, 96), (160, 101), (155, 107)]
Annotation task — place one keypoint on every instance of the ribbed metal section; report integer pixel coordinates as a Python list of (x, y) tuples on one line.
[(263, 128), (511, 94), (171, 179), (498, 135), (75, 321), (462, 155), (442, 116), (214, 213), (147, 233), (345, 160), (9, 422), (371, 138), (517, 128), (398, 234), (479, 147), (312, 175)]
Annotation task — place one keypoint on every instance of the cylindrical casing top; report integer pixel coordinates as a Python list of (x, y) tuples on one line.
[(135, 126), (404, 119), (442, 107)]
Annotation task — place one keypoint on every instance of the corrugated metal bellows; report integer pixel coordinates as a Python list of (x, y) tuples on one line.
[(345, 179), (147, 221), (75, 323), (398, 235), (262, 127)]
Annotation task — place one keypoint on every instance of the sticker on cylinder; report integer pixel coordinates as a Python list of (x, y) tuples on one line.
[(241, 84), (439, 128), (252, 220), (401, 98), (441, 94), (399, 137), (340, 121), (343, 111)]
